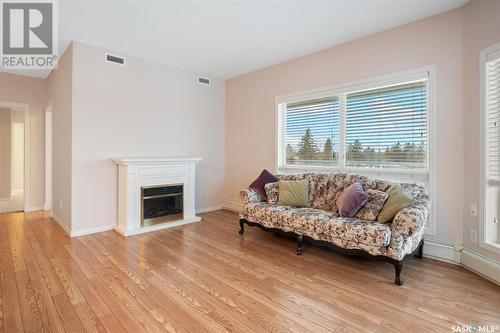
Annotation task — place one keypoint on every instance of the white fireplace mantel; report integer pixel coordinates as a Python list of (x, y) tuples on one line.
[(137, 172)]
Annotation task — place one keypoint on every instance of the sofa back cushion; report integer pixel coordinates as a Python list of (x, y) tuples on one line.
[(272, 191), (373, 206), (325, 188)]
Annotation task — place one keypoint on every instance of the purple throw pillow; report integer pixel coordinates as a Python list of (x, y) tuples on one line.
[(258, 184), (351, 200)]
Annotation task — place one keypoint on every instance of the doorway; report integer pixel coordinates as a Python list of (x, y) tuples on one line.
[(12, 157)]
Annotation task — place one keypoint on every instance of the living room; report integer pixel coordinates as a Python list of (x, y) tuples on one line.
[(250, 166)]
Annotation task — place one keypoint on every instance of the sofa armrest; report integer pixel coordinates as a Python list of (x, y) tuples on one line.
[(249, 196), (410, 219)]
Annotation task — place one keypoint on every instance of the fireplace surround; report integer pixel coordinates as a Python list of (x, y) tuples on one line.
[(155, 193)]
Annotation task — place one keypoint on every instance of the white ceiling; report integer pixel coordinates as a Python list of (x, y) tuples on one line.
[(226, 39)]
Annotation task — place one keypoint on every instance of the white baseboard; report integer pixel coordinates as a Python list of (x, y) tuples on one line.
[(235, 206), (12, 209), (208, 209), (34, 209), (61, 223), (442, 251), (94, 230), (487, 268), (458, 255)]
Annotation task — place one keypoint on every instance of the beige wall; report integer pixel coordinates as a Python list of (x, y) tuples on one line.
[(141, 109), (31, 91), (5, 153), (481, 30), (59, 91), (250, 103)]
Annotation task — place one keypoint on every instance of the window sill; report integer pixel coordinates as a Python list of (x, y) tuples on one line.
[(492, 247)]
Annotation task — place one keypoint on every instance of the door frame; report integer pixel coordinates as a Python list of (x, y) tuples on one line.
[(48, 157), (25, 109)]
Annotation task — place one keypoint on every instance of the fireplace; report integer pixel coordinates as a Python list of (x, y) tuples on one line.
[(155, 182), (161, 203)]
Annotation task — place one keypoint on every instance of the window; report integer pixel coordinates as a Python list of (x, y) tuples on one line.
[(381, 126), (312, 129), (491, 139), (387, 127)]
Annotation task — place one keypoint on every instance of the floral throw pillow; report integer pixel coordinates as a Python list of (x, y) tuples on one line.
[(272, 191), (373, 206)]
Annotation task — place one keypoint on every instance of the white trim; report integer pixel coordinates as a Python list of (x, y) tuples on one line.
[(483, 56), (155, 160), (208, 209), (234, 206), (61, 223), (442, 251), (458, 255), (479, 264), (12, 208), (48, 158), (157, 227), (432, 152), (94, 230), (33, 209)]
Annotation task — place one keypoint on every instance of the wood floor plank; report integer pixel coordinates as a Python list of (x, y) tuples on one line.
[(11, 307), (205, 277)]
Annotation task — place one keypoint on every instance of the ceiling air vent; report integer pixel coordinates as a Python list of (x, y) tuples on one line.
[(115, 59), (203, 80)]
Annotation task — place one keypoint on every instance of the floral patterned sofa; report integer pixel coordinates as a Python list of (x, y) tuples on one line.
[(321, 224)]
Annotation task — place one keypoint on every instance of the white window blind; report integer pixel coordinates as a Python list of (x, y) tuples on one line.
[(493, 119), (387, 127), (311, 132)]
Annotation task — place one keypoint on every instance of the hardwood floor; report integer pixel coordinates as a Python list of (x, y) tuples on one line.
[(205, 277)]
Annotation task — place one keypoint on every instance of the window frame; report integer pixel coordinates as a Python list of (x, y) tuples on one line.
[(341, 91), (483, 59)]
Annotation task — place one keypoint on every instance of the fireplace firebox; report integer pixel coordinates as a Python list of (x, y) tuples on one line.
[(161, 203)]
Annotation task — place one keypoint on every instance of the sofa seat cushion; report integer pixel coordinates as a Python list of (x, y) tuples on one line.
[(315, 223)]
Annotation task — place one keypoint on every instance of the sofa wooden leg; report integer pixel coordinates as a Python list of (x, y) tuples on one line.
[(242, 227), (398, 265), (299, 245), (420, 252)]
